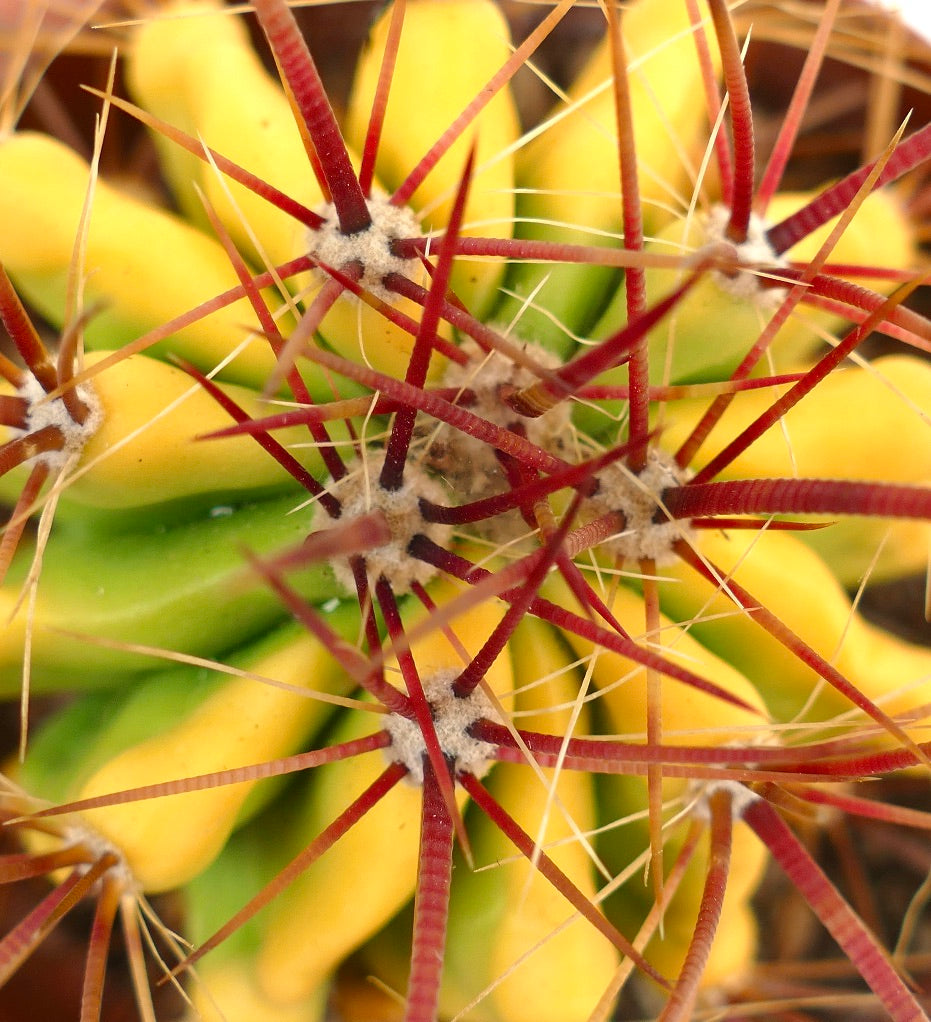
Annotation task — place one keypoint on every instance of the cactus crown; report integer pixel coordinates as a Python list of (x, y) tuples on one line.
[(507, 513)]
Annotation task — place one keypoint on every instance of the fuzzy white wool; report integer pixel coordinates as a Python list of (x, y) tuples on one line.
[(755, 251), (637, 498), (44, 413), (371, 248), (360, 492), (741, 797), (469, 465), (82, 834), (486, 374), (452, 718)]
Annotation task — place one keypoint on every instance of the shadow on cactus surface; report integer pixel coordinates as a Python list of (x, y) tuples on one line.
[(440, 532)]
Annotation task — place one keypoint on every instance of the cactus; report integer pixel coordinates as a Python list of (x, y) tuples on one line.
[(544, 464)]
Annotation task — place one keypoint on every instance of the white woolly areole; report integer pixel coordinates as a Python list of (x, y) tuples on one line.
[(488, 373), (469, 465), (741, 797), (452, 718), (79, 833), (637, 498), (755, 251), (371, 247), (359, 492), (43, 413)]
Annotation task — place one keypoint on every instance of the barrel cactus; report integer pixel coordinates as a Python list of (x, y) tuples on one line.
[(444, 528)]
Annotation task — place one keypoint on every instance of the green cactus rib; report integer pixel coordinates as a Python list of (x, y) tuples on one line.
[(182, 587)]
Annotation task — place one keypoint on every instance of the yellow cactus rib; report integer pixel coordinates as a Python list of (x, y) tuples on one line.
[(821, 439), (569, 174), (147, 449), (509, 938), (312, 928), (261, 136), (228, 993), (168, 841), (142, 265), (431, 51), (688, 714), (228, 100), (885, 669), (574, 164)]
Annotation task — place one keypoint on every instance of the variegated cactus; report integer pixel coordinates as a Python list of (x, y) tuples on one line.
[(538, 438)]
